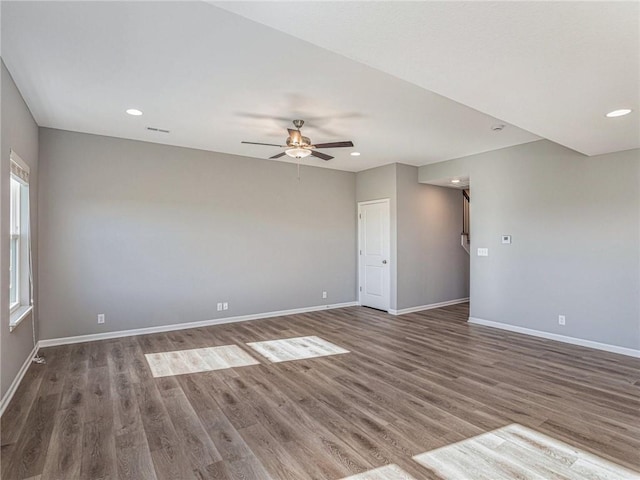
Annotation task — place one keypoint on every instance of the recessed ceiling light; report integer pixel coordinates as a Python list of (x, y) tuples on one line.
[(355, 154), (134, 111), (619, 113), (455, 181)]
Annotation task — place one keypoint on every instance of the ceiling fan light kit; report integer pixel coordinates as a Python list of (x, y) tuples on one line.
[(300, 146), (298, 152)]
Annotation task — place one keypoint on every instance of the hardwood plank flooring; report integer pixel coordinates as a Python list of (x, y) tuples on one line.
[(299, 348), (339, 394), (198, 360), (515, 451), (388, 472)]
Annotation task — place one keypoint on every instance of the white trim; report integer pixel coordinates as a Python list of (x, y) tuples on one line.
[(16, 381), (386, 201), (15, 158), (183, 326), (558, 338), (12, 308), (428, 307), (379, 200), (19, 169), (18, 315)]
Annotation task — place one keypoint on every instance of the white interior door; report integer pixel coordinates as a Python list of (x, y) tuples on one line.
[(374, 253)]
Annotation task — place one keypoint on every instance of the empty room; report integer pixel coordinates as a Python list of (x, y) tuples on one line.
[(328, 240)]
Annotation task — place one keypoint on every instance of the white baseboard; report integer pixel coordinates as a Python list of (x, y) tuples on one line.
[(428, 307), (16, 381), (559, 338), (183, 326)]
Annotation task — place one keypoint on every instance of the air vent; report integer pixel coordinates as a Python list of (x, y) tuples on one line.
[(161, 130)]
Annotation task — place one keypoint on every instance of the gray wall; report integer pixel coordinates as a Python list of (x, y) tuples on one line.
[(575, 223), (152, 235), (428, 265), (375, 184), (432, 265), (20, 133)]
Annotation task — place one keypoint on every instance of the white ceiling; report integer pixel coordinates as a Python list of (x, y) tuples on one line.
[(553, 68), (214, 78), (463, 182), (355, 71)]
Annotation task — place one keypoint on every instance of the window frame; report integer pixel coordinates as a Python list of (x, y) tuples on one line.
[(15, 234), (19, 231)]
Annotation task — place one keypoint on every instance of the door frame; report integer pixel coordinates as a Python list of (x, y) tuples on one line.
[(387, 201)]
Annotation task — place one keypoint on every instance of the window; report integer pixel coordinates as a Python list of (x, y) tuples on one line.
[(20, 299), (14, 230)]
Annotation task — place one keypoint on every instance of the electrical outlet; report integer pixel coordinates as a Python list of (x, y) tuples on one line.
[(225, 306), (324, 294), (561, 320), (219, 306), (101, 318)]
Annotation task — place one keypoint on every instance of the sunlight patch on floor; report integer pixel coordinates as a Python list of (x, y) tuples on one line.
[(516, 451), (197, 360), (298, 348), (388, 472)]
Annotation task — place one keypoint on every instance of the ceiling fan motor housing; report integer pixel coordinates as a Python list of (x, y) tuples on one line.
[(306, 141)]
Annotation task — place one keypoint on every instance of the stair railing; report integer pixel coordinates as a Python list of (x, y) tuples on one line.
[(465, 236)]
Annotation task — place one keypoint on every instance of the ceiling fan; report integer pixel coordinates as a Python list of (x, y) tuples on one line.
[(299, 146)]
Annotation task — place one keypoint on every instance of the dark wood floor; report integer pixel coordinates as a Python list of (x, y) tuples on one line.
[(411, 384)]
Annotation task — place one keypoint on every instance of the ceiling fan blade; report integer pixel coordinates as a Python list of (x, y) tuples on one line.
[(278, 155), (334, 144), (296, 136), (321, 155), (268, 144)]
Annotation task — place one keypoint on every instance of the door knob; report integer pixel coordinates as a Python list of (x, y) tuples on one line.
[(384, 262)]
